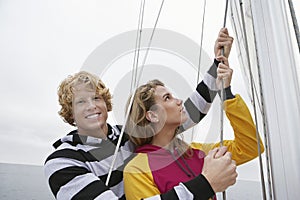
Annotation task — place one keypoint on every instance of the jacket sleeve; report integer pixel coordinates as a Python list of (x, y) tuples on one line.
[(197, 188), (138, 179), (70, 179), (199, 102), (139, 184), (244, 146)]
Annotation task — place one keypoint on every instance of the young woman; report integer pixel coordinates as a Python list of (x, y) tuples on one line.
[(163, 160)]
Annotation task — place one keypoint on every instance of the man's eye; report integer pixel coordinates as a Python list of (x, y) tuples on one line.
[(97, 97), (80, 102)]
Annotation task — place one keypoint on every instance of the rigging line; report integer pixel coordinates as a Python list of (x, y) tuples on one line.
[(271, 180), (295, 24), (200, 54), (131, 101), (296, 27), (260, 102), (269, 158), (222, 82), (201, 41), (222, 96), (225, 16), (137, 46), (150, 40), (254, 105), (236, 26)]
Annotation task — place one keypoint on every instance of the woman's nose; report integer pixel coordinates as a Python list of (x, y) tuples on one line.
[(179, 101)]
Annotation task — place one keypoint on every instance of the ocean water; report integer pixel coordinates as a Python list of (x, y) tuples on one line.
[(27, 182), (23, 182)]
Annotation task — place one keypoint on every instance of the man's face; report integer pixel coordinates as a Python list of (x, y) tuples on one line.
[(89, 112)]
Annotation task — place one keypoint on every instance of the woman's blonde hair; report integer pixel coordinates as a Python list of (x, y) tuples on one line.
[(140, 130), (138, 127), (66, 93)]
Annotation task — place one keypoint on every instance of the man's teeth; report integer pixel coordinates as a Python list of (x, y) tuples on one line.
[(92, 116)]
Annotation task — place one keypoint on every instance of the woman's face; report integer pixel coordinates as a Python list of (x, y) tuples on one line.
[(169, 109)]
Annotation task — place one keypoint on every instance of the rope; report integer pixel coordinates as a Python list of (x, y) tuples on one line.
[(137, 46), (201, 41), (200, 56), (254, 105), (131, 100), (222, 96), (150, 40), (295, 24), (222, 82)]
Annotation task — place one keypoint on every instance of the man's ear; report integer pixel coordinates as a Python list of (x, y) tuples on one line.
[(72, 117), (152, 116)]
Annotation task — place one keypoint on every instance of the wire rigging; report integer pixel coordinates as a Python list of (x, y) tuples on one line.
[(200, 55), (254, 104), (295, 23), (150, 41), (223, 95), (131, 99), (222, 83), (137, 46), (201, 41)]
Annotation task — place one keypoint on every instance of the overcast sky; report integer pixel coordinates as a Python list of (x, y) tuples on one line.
[(41, 42)]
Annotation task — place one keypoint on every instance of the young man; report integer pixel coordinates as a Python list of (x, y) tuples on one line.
[(79, 166)]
